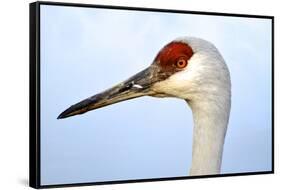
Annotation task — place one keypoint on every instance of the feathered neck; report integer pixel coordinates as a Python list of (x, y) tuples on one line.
[(210, 124)]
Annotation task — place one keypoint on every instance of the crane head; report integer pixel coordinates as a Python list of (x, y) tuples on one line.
[(187, 68)]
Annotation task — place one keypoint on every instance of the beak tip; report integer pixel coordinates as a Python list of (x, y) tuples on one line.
[(71, 111), (63, 115)]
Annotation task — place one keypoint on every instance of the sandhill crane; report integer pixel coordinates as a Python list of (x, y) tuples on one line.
[(187, 68)]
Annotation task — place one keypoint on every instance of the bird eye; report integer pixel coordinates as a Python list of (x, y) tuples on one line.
[(181, 63)]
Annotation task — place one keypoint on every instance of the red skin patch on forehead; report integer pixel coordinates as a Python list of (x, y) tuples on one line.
[(171, 53), (174, 50)]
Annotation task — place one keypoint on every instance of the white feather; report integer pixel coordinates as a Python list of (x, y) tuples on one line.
[(205, 84)]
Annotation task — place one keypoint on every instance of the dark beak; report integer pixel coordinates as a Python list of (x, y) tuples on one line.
[(136, 86)]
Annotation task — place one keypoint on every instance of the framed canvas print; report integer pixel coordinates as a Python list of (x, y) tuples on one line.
[(125, 94)]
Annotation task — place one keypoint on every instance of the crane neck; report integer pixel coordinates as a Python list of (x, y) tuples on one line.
[(210, 118)]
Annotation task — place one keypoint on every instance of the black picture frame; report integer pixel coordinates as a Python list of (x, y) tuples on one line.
[(34, 91)]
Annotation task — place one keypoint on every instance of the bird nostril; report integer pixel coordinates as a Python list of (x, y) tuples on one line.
[(125, 88)]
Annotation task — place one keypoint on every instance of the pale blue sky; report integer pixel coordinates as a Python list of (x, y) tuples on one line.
[(87, 50)]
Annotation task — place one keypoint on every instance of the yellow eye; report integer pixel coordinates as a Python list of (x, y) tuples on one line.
[(181, 63)]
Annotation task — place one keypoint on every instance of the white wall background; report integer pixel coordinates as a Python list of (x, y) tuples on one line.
[(14, 93)]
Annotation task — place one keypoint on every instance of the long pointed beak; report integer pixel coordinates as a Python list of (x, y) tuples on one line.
[(136, 86)]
